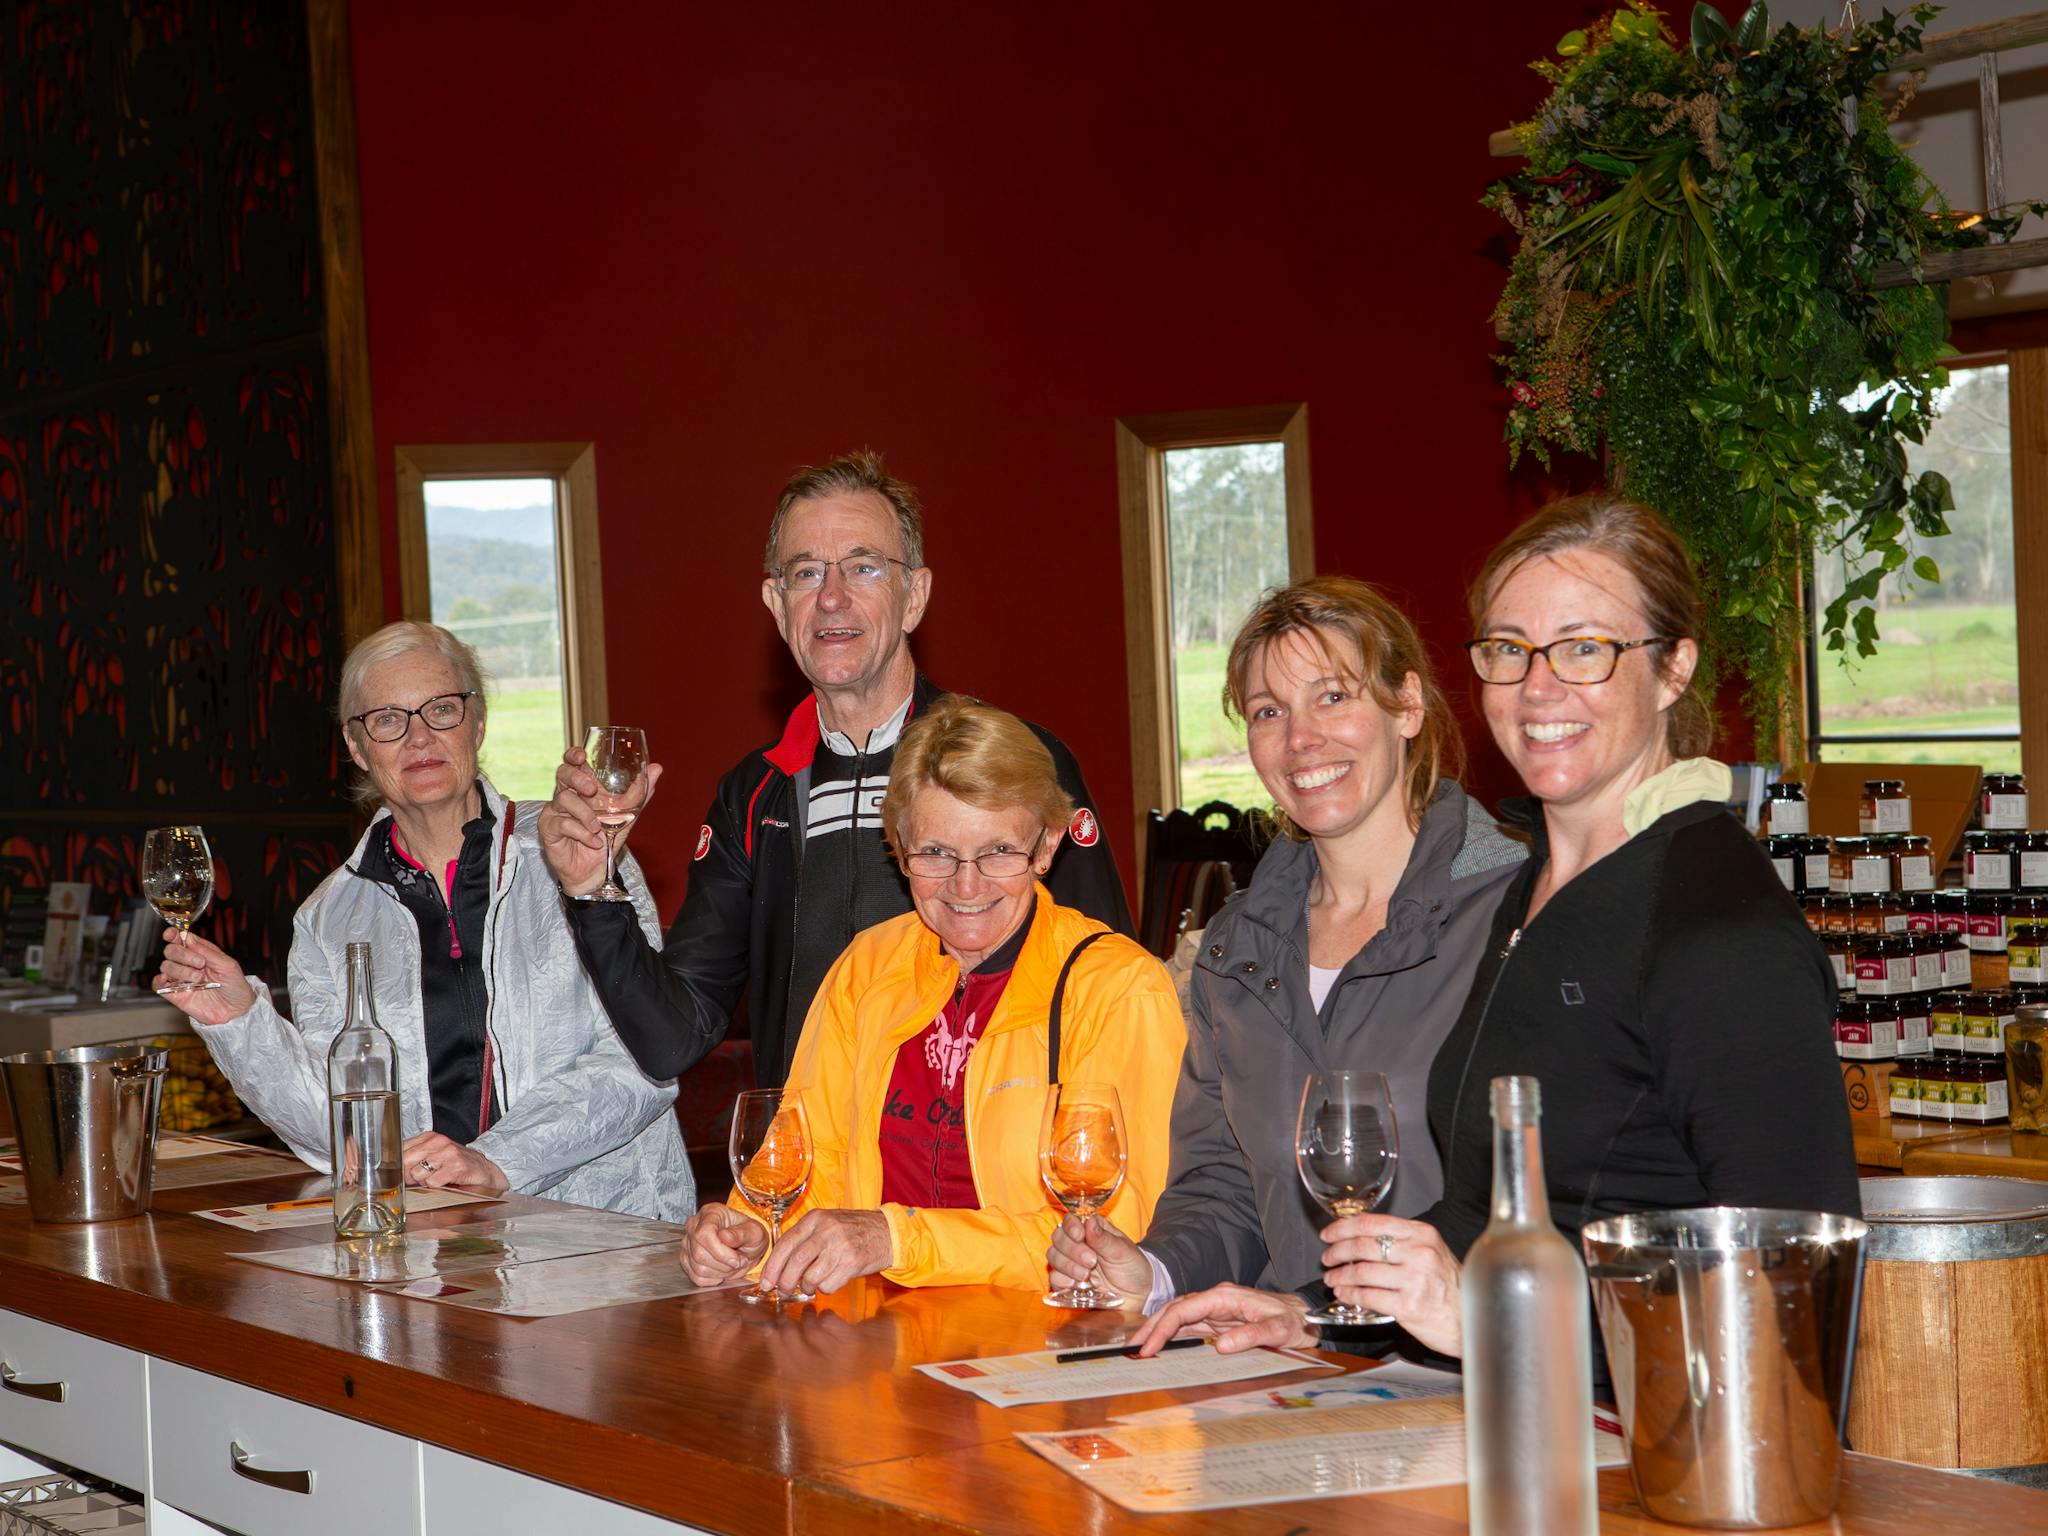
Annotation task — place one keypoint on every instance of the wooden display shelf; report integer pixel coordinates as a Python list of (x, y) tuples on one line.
[(1885, 1143), (1999, 1153)]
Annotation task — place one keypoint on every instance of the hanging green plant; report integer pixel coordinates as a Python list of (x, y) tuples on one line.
[(1699, 228)]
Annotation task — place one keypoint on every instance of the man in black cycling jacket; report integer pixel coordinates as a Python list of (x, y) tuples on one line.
[(790, 863)]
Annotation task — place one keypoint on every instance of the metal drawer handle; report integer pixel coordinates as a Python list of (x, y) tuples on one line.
[(48, 1391), (289, 1482)]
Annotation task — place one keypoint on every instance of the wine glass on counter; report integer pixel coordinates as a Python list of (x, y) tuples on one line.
[(617, 755), (1346, 1147), (1081, 1157), (770, 1152), (177, 879)]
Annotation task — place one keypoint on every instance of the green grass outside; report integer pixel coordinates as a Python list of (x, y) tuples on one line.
[(523, 743), (1932, 659)]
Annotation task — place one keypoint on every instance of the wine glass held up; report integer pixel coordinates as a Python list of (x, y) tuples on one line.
[(770, 1152), (1346, 1147), (177, 878), (1081, 1155), (617, 756)]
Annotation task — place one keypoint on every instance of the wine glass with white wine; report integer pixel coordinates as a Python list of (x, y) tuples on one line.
[(617, 755), (770, 1153), (1346, 1148), (177, 878), (1082, 1151)]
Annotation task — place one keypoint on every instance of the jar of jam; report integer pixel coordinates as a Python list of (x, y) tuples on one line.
[(1841, 952), (1956, 959), (1868, 910), (1977, 1093), (1914, 1015), (1987, 861), (1920, 911), (1866, 1030), (1885, 807), (1813, 908), (1905, 1086), (1926, 949), (1817, 849), (2002, 803), (1880, 970), (1837, 914), (1985, 1015), (1788, 860), (1945, 1020), (1855, 867), (1988, 970), (1912, 862), (2030, 856), (1784, 809), (2023, 954)]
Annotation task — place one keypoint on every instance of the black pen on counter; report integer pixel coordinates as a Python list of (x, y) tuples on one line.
[(1111, 1351)]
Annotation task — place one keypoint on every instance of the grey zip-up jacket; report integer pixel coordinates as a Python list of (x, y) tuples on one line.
[(578, 1120), (1234, 1207)]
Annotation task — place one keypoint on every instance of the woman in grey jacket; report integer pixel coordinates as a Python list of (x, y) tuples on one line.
[(510, 1075), (1352, 948)]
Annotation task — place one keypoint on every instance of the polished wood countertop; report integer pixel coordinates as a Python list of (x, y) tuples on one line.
[(706, 1410), (1997, 1150)]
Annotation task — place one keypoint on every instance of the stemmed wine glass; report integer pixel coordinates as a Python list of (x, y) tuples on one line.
[(177, 877), (770, 1152), (1346, 1146), (1081, 1154), (617, 755)]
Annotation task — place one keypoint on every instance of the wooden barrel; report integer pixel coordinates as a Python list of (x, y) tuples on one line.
[(1952, 1346)]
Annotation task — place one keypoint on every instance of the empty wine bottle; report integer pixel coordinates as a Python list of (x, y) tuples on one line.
[(362, 1100), (1528, 1349)]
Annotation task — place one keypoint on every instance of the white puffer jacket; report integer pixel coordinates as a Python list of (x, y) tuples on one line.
[(578, 1121)]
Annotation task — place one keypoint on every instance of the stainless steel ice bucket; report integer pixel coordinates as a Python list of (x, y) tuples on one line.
[(1731, 1334), (86, 1123)]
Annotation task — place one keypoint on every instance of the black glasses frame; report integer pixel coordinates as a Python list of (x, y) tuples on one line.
[(1614, 648), (363, 719)]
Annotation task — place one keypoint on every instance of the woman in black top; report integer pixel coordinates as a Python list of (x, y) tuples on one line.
[(1646, 965)]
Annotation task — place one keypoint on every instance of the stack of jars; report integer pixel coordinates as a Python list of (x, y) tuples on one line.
[(1928, 979)]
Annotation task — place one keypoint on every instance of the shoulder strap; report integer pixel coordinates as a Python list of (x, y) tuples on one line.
[(1052, 1018)]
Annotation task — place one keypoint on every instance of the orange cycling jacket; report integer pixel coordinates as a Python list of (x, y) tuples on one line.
[(1120, 1023)]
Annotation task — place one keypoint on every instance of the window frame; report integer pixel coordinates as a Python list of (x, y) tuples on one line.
[(579, 570), (2027, 403), (1142, 443)]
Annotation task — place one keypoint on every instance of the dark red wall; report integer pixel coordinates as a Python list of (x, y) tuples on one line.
[(722, 241)]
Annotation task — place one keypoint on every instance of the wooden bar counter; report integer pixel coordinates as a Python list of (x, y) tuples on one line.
[(699, 1409), (1997, 1151)]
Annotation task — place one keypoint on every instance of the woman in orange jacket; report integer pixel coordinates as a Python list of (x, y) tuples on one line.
[(923, 1063)]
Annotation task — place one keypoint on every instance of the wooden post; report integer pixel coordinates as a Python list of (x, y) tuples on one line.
[(352, 442), (2027, 382)]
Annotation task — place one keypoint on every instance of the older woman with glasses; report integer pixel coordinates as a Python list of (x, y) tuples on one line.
[(924, 1060), (510, 1076), (1645, 965)]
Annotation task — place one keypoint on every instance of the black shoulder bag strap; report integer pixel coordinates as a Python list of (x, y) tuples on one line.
[(1052, 1018)]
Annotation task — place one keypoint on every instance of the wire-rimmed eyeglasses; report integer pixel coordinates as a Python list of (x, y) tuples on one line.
[(1580, 660), (997, 863), (443, 712), (854, 570)]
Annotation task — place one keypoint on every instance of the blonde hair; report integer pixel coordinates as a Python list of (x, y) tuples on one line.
[(1635, 538), (1329, 608), (406, 637), (976, 753)]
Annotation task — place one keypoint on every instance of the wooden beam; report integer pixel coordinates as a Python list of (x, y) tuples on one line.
[(1984, 37), (1947, 266), (2027, 404), (351, 440)]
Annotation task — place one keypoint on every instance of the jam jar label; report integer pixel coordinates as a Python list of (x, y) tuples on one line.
[(2025, 961), (1916, 872), (1786, 873), (1984, 870), (2005, 812), (1786, 816), (2033, 870)]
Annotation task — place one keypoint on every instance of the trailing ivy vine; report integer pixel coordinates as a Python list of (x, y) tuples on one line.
[(1699, 229)]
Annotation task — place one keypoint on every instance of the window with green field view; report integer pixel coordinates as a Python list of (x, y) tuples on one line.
[(1944, 684), (1226, 542), (493, 570)]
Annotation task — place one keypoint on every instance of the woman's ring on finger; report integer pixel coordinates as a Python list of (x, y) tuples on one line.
[(1386, 1249)]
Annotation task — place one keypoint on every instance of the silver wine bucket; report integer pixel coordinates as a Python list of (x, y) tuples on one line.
[(86, 1123), (1731, 1336)]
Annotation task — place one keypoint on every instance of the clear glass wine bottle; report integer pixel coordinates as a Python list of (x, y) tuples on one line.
[(1528, 1348), (362, 1101)]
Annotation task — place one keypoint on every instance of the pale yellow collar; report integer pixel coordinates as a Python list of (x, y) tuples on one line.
[(1686, 782)]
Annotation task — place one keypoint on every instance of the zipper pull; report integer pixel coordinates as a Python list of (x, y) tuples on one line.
[(1509, 948)]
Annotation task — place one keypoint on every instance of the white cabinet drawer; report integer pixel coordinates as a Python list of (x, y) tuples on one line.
[(466, 1497), (355, 1478), (73, 1399)]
